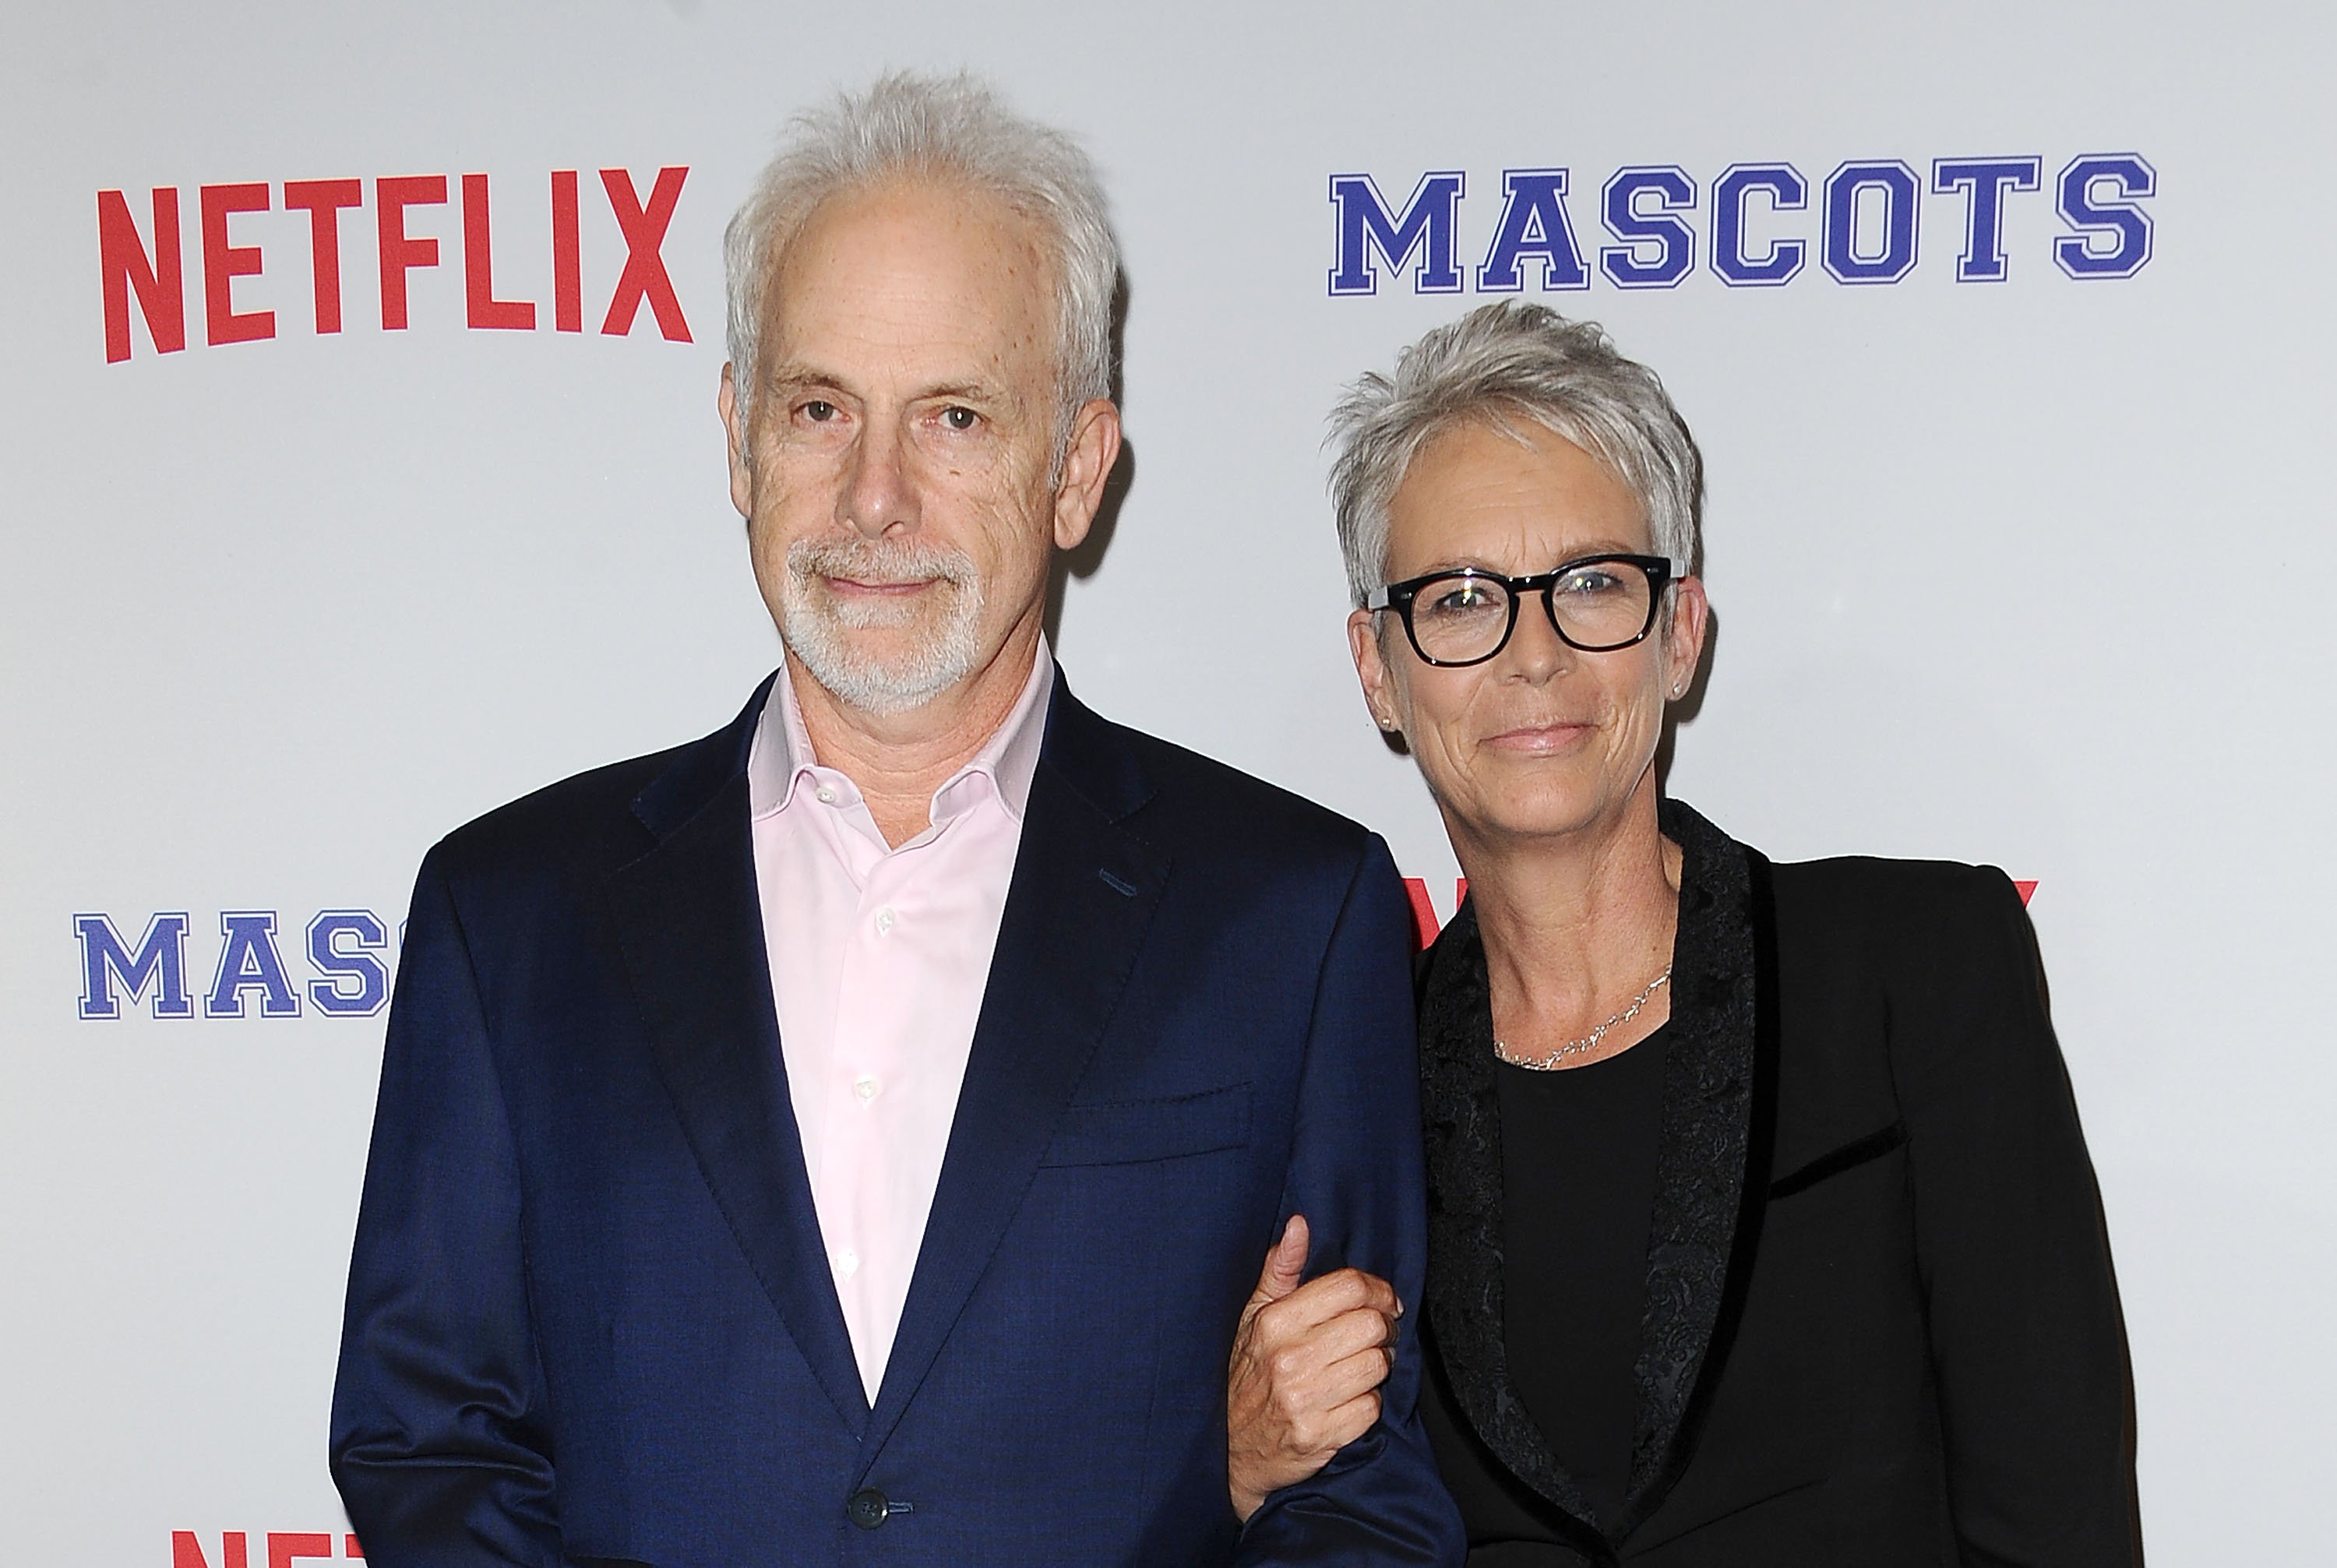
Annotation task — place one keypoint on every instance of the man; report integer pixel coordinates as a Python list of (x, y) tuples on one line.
[(851, 1137)]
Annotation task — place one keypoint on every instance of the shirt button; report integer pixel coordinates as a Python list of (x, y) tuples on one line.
[(824, 795), (847, 1262), (867, 1087), (884, 918)]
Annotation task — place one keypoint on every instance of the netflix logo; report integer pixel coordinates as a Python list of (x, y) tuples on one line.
[(279, 1549), (146, 272)]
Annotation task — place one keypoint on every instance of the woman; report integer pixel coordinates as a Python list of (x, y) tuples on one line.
[(1761, 1228)]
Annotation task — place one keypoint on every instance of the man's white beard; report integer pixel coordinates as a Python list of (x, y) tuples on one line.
[(817, 627)]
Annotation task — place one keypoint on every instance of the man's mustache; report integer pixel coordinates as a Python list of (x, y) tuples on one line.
[(880, 561)]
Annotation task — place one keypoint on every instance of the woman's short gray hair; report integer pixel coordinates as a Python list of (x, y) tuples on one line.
[(1499, 361), (953, 129)]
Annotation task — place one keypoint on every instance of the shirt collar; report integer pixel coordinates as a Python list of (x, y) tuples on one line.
[(780, 755)]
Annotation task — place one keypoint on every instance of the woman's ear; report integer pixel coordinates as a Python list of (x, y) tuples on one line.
[(1378, 681), (1684, 639)]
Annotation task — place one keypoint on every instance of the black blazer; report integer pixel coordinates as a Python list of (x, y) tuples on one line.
[(1881, 1327)]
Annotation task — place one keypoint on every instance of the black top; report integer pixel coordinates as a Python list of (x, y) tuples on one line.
[(1878, 1325), (1578, 1181)]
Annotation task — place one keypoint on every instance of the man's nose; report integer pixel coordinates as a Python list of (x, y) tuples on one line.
[(878, 495)]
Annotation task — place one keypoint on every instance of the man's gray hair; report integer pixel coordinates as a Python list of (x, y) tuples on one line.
[(953, 130), (1503, 361)]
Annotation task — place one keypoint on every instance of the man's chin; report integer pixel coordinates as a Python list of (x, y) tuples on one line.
[(878, 675)]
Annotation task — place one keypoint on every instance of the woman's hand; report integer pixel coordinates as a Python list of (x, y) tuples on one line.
[(1308, 1364)]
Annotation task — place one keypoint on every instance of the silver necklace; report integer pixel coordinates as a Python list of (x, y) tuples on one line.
[(1590, 1041)]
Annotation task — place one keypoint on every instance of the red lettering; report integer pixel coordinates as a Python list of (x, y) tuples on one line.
[(644, 277), (349, 1547), (123, 268), (2026, 889), (323, 200), (479, 267), (224, 263), (284, 1547), (1424, 922), (186, 1552), (567, 256), (401, 253)]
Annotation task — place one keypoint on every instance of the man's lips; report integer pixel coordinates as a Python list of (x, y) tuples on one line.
[(1539, 739), (894, 590)]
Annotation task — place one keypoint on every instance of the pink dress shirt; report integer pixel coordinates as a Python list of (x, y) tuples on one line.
[(879, 959)]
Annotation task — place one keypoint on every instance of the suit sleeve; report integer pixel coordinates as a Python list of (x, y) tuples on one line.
[(1356, 1172), (2028, 1343), (439, 1442)]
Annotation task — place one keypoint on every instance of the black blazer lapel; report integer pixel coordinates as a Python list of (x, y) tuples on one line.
[(1711, 1179), (1083, 896), (691, 930), (1711, 1175), (1462, 1123)]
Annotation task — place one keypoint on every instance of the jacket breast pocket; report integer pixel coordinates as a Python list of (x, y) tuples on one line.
[(1132, 1131), (1858, 1152)]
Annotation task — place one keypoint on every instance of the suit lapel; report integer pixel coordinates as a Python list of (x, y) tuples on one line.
[(691, 928), (1712, 1174), (1083, 895), (1461, 1119), (1711, 1177)]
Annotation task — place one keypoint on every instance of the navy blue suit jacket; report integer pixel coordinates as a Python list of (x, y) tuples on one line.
[(589, 1317)]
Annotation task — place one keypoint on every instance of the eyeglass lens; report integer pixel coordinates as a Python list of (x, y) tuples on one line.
[(1599, 605)]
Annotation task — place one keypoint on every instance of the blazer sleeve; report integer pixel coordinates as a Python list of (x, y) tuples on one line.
[(2028, 1343), (1356, 1172), (439, 1440)]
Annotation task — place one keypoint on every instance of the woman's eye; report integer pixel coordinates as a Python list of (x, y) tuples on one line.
[(1462, 600), (1585, 583), (959, 418)]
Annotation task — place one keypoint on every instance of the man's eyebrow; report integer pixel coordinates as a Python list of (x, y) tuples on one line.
[(797, 373), (794, 373)]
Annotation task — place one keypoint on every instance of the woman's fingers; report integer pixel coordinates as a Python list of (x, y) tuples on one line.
[(1348, 1356), (1327, 1297)]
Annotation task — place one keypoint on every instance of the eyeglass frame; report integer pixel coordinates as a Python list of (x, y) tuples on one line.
[(1661, 571)]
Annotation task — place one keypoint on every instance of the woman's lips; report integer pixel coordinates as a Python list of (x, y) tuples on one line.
[(1539, 739)]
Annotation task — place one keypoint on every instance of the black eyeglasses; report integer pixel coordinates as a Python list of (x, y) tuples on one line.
[(1596, 604)]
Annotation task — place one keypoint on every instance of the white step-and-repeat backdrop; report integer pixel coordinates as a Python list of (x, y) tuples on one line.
[(362, 472)]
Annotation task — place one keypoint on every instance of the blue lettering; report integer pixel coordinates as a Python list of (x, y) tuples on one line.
[(1627, 265), (249, 960), (366, 936), (1902, 196), (1788, 192), (159, 961), (1533, 223), (1986, 180), (2094, 216), (1426, 225)]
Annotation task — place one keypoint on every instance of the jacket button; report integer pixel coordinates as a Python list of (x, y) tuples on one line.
[(867, 1507)]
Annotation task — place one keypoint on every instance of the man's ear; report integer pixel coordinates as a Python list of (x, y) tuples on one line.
[(1378, 681), (1087, 464), (742, 471)]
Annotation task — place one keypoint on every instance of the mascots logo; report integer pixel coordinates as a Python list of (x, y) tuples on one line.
[(1866, 230), (155, 274), (347, 952)]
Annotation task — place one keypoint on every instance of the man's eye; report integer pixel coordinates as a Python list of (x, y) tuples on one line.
[(960, 418), (819, 410)]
